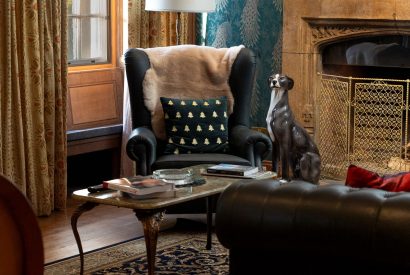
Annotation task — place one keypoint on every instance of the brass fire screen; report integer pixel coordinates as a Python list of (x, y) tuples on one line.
[(362, 121)]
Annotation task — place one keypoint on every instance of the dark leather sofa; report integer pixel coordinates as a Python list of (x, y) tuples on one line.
[(300, 228)]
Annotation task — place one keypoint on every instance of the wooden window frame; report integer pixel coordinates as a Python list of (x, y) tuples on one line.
[(95, 91), (114, 39)]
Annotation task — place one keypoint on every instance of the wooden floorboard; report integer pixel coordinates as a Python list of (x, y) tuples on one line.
[(102, 226)]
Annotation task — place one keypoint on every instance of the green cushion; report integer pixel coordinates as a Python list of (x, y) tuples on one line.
[(195, 125)]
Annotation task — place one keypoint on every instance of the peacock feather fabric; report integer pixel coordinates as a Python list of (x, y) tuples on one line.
[(256, 24)]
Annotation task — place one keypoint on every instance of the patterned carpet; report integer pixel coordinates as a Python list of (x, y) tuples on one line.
[(177, 253)]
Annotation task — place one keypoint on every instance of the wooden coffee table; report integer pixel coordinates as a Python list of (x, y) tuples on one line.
[(151, 211)]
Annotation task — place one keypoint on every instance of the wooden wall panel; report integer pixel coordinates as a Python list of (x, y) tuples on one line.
[(94, 98), (93, 103)]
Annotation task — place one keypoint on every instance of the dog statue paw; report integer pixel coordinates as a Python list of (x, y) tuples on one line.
[(292, 145)]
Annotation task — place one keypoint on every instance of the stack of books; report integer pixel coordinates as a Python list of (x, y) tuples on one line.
[(240, 171), (142, 187)]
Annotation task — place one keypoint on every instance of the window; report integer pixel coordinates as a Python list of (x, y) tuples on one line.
[(88, 32)]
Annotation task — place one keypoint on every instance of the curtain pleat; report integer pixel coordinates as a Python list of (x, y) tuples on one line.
[(33, 71), (154, 29)]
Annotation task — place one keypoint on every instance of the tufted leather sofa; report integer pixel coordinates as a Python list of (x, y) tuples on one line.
[(300, 228)]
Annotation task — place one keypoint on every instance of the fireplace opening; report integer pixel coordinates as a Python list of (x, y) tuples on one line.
[(386, 56), (363, 105)]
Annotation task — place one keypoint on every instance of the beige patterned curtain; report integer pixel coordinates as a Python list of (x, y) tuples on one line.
[(33, 87), (147, 30), (154, 29)]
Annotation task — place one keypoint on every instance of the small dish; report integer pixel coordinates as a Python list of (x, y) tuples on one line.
[(179, 177)]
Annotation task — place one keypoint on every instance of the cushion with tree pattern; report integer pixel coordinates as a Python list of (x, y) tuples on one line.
[(195, 125)]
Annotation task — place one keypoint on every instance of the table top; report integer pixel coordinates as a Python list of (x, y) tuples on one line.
[(214, 185)]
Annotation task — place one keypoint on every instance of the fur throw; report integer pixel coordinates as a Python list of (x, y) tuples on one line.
[(186, 72)]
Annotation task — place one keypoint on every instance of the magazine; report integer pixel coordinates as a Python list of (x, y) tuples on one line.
[(232, 169), (257, 175)]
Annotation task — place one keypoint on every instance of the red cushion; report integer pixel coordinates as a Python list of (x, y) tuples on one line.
[(360, 177)]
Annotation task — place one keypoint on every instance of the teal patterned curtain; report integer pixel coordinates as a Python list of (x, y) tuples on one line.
[(257, 24)]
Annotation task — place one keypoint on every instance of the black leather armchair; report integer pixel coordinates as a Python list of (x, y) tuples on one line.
[(300, 228), (246, 146)]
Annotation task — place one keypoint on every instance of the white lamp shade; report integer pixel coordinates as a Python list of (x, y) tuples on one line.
[(180, 5)]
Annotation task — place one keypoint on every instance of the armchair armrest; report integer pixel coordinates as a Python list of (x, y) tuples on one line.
[(141, 148), (250, 144)]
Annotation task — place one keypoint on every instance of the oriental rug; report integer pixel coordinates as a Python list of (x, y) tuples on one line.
[(177, 253)]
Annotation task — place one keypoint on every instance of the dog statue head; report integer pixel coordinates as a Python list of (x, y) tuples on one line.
[(277, 81)]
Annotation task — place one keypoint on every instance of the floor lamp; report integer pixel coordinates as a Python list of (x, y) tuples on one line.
[(179, 6)]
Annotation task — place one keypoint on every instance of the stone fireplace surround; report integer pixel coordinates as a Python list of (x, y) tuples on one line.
[(309, 25)]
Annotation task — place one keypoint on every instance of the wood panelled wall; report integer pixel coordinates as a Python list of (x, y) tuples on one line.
[(94, 98), (95, 92)]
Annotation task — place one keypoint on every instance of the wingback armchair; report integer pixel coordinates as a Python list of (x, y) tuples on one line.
[(146, 147)]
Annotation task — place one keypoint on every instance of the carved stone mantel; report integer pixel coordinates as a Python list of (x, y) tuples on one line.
[(333, 29)]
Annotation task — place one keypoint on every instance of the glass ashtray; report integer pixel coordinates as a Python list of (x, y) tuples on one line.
[(179, 177)]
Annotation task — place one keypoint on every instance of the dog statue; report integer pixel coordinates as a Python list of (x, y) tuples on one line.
[(291, 143)]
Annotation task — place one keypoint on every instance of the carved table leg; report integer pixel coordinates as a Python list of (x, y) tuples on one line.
[(150, 222), (209, 222), (74, 218)]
